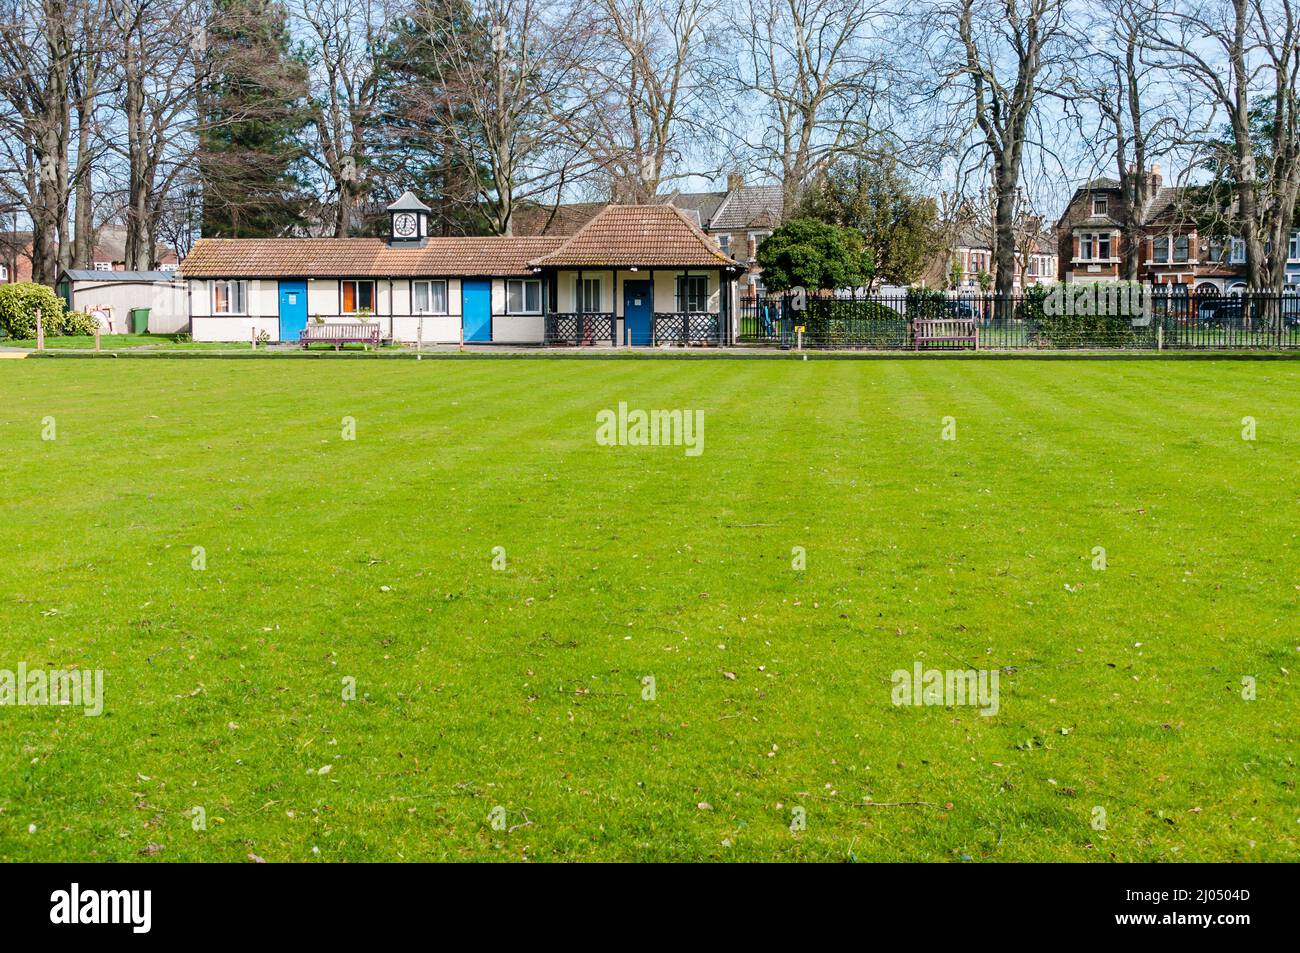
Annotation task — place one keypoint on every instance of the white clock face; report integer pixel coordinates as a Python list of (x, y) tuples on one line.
[(404, 225)]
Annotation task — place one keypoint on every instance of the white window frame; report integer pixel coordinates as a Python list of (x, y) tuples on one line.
[(724, 243), (1293, 247), (583, 289), (1090, 247), (523, 284), (1237, 256), (1104, 202), (236, 296), (428, 284), (356, 296), (167, 266), (103, 266)]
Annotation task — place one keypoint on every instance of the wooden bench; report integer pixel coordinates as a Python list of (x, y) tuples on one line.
[(945, 331), (339, 334)]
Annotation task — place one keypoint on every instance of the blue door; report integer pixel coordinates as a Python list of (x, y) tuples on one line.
[(293, 309), (476, 310), (636, 311)]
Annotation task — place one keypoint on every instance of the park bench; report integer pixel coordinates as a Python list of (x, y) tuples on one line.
[(945, 331), (339, 334)]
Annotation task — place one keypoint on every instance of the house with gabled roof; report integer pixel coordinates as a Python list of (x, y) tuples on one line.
[(737, 219), (633, 274), (746, 216), (1173, 252), (974, 267)]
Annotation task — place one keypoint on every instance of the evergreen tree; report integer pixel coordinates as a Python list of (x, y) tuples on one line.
[(420, 115), (874, 198), (250, 156), (814, 255)]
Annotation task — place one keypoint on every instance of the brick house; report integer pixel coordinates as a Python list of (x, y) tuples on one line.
[(1174, 253), (745, 216), (1036, 262)]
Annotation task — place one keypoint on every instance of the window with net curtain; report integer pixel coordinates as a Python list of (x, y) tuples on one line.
[(430, 297), (589, 297), (523, 296)]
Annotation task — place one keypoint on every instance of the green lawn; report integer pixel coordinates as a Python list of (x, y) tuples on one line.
[(153, 342), (329, 559)]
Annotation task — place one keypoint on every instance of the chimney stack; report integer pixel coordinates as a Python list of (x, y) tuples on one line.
[(735, 180), (1156, 179)]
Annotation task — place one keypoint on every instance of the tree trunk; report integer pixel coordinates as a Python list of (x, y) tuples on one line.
[(1006, 178), (137, 182), (83, 218), (1133, 198), (50, 209)]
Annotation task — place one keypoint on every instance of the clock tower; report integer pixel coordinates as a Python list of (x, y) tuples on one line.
[(408, 220)]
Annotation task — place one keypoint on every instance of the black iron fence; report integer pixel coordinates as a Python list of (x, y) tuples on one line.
[(1075, 316)]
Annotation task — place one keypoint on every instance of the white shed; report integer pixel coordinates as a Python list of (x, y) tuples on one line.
[(112, 295)]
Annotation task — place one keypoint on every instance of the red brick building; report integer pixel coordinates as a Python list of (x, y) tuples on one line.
[(1174, 252)]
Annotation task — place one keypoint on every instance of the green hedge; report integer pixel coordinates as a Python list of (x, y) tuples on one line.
[(842, 322), (1073, 330), (928, 303)]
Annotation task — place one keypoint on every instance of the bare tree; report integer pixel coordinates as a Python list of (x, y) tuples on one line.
[(36, 62), (1010, 50), (1132, 116), (89, 76), (1244, 56), (504, 98), (157, 50), (652, 86), (346, 41), (820, 81)]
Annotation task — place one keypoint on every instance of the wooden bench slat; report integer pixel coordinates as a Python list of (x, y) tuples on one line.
[(339, 334), (945, 331)]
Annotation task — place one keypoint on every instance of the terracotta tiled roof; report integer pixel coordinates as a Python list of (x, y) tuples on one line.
[(362, 257), (644, 236)]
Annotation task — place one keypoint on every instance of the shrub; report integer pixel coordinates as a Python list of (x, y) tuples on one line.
[(924, 303), (18, 304), (78, 322), (806, 253)]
